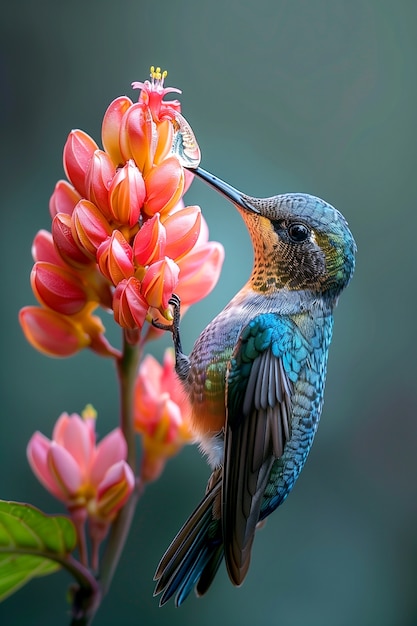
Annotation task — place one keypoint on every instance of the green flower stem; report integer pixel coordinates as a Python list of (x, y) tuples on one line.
[(127, 367), (87, 605)]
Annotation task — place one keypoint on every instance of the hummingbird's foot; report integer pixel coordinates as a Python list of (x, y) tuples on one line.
[(182, 362), (161, 326)]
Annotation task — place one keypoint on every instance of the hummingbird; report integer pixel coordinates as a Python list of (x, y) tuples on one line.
[(255, 379)]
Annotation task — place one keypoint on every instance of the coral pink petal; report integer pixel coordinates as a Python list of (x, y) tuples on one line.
[(109, 451), (37, 454), (64, 469), (76, 439)]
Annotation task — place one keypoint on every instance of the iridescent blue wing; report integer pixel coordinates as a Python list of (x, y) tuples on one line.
[(264, 367)]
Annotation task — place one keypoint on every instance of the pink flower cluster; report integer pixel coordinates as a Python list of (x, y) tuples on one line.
[(162, 414), (121, 236)]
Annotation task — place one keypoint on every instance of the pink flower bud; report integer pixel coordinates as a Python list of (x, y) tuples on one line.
[(51, 333), (110, 130), (63, 199), (127, 193), (115, 258), (199, 272), (114, 490), (164, 186), (149, 243), (100, 173), (137, 136), (182, 231), (43, 249), (130, 307), (158, 284), (89, 227), (78, 151), (57, 288), (64, 241)]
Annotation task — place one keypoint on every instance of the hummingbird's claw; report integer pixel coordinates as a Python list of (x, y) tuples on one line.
[(161, 326)]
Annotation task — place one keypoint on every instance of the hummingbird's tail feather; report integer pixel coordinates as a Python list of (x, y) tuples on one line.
[(196, 552)]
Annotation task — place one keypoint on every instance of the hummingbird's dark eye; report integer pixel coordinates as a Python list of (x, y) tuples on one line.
[(298, 232)]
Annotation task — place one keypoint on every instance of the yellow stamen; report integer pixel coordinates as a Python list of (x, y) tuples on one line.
[(157, 74), (89, 413)]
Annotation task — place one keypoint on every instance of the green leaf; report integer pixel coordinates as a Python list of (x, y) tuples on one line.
[(31, 544)]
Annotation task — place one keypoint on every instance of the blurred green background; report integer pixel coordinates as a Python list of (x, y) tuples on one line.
[(284, 95)]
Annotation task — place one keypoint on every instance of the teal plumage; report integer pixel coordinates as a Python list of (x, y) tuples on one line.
[(255, 378)]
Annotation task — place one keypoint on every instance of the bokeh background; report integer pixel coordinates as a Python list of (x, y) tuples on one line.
[(284, 95)]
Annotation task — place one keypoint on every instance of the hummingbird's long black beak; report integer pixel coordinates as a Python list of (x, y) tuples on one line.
[(229, 192)]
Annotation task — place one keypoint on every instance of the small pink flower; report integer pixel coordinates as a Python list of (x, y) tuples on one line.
[(85, 476), (162, 414)]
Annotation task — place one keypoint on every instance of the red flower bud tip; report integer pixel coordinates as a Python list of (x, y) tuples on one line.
[(78, 151), (115, 258), (51, 333), (100, 173), (149, 243), (64, 241), (164, 186), (63, 199), (110, 130), (57, 288), (158, 284), (89, 227), (182, 231), (130, 307), (127, 193)]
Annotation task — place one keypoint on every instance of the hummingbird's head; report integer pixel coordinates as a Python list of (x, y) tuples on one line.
[(300, 242)]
